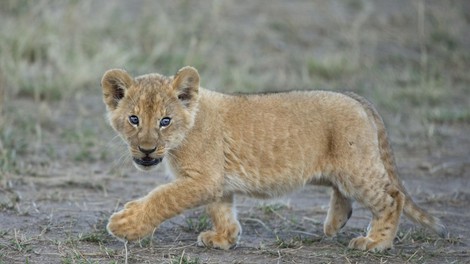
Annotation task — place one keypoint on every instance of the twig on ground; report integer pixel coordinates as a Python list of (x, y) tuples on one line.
[(259, 222)]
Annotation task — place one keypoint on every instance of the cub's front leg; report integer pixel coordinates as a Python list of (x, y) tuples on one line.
[(226, 229), (139, 218)]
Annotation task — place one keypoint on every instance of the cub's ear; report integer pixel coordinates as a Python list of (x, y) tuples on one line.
[(186, 85), (114, 84)]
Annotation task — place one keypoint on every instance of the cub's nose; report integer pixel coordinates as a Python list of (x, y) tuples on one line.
[(147, 151)]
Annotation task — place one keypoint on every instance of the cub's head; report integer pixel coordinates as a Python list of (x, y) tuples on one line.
[(152, 113)]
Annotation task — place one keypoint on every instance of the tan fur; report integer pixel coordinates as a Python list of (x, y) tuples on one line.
[(262, 146)]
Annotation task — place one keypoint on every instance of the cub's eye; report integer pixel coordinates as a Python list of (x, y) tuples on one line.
[(134, 120), (164, 122)]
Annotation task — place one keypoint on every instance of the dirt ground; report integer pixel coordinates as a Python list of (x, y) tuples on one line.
[(64, 172)]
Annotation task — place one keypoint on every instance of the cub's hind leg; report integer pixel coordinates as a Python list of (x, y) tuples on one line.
[(338, 214), (226, 229), (386, 203)]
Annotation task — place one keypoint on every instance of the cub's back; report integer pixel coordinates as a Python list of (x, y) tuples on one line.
[(287, 116), (286, 135)]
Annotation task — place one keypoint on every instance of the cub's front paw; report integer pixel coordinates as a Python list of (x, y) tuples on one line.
[(366, 243), (218, 241), (131, 223)]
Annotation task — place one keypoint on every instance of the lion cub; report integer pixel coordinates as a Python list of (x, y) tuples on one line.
[(219, 145)]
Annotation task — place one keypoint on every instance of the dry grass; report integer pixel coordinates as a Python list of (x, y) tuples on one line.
[(411, 58)]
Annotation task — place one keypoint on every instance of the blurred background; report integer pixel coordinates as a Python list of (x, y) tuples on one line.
[(410, 58)]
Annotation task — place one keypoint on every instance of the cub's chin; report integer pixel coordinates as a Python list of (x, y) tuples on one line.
[(146, 163)]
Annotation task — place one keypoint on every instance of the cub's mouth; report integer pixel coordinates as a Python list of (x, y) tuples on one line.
[(147, 161)]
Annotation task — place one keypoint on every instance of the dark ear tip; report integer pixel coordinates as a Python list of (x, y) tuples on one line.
[(188, 71), (112, 73), (116, 78)]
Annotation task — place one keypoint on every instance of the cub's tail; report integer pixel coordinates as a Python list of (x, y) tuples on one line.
[(411, 210)]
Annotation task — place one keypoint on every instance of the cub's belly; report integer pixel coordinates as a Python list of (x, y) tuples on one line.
[(268, 186)]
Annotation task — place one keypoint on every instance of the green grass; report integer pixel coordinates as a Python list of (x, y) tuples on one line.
[(13, 142), (97, 237), (75, 258), (50, 62), (270, 209), (449, 115), (184, 259), (197, 224), (296, 242), (329, 70)]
